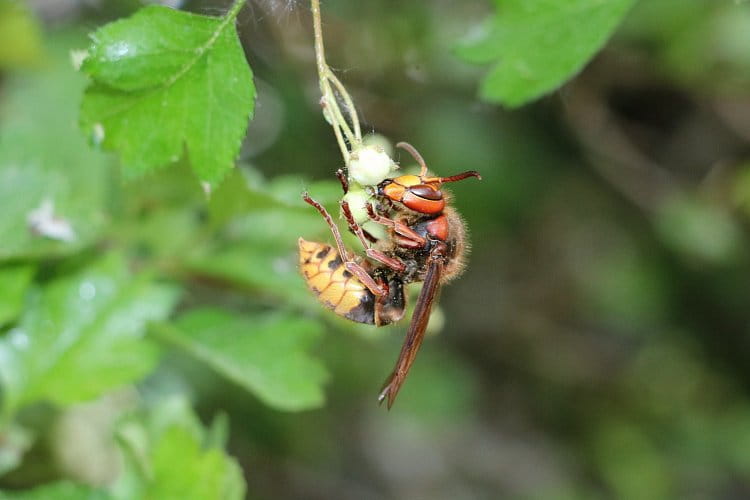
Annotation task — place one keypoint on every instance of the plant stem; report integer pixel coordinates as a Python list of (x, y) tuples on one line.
[(331, 108), (234, 10)]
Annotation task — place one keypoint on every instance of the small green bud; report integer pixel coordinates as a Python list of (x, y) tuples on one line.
[(358, 201), (369, 165)]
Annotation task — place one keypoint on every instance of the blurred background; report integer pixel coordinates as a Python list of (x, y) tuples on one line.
[(598, 345)]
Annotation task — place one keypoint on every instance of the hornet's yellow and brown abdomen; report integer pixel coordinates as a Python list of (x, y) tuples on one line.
[(334, 286)]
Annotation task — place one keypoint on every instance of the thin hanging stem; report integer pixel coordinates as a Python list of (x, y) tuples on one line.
[(348, 102), (345, 134), (234, 10)]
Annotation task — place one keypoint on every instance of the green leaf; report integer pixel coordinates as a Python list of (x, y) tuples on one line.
[(14, 282), (81, 336), (181, 469), (20, 44), (63, 490), (265, 354), (44, 162), (138, 431), (165, 80), (267, 270), (169, 454), (262, 240), (539, 44)]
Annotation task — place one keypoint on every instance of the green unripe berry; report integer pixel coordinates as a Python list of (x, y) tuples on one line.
[(358, 201), (369, 165)]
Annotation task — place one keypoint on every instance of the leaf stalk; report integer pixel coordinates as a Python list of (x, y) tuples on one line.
[(349, 137)]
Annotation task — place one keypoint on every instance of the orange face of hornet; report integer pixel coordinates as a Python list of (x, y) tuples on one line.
[(425, 243)]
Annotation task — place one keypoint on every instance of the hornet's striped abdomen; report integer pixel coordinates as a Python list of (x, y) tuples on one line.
[(336, 288)]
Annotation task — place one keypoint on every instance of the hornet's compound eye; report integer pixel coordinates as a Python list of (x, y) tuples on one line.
[(427, 192), (423, 205)]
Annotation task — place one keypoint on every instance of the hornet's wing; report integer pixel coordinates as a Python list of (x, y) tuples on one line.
[(415, 334)]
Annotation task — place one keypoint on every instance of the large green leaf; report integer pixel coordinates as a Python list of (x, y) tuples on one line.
[(164, 80), (81, 336), (537, 45), (44, 162), (14, 282), (265, 354)]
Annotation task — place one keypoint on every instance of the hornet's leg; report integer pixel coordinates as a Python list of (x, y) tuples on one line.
[(408, 237), (345, 186), (349, 263), (343, 180), (374, 254)]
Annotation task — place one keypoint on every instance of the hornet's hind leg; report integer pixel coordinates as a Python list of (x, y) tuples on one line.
[(349, 262)]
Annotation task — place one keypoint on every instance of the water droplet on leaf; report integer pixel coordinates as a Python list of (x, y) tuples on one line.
[(18, 338), (120, 50), (87, 290), (98, 133)]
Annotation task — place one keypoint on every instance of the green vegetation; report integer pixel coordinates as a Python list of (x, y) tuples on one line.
[(157, 341)]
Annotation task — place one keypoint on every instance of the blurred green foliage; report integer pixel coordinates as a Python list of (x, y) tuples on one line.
[(50, 159), (272, 363), (81, 336), (540, 44), (156, 340), (19, 36)]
